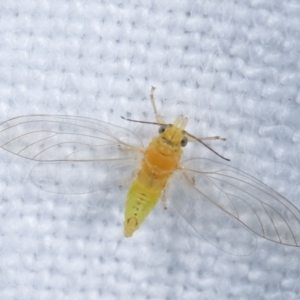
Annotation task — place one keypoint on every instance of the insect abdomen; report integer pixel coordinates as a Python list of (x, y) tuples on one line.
[(140, 201), (158, 164)]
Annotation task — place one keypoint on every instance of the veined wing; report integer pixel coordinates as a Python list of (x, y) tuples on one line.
[(83, 177), (220, 197), (80, 154), (65, 138)]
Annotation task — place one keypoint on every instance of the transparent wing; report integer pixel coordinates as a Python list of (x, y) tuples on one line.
[(80, 154), (219, 198), (83, 177), (65, 138)]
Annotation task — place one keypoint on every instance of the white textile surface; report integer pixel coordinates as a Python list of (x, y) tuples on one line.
[(232, 67)]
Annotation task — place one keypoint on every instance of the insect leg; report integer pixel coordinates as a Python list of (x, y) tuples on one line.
[(129, 180), (157, 117), (164, 200), (192, 138)]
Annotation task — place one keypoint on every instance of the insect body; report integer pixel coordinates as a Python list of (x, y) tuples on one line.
[(161, 159), (214, 198)]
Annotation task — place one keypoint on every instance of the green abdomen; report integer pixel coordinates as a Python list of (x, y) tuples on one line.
[(140, 201)]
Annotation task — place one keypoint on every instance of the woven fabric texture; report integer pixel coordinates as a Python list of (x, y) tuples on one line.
[(231, 67)]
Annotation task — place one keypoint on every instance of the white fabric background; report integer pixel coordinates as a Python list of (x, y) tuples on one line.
[(232, 67)]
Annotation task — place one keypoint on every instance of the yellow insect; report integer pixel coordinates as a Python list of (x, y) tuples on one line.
[(212, 197)]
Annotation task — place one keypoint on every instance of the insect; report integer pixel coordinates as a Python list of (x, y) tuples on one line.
[(214, 198)]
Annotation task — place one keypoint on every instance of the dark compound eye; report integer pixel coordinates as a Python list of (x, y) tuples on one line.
[(162, 128), (184, 141)]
